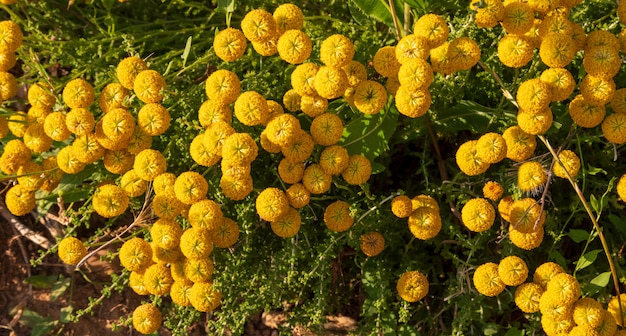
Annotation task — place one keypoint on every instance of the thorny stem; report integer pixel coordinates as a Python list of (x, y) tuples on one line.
[(596, 226)]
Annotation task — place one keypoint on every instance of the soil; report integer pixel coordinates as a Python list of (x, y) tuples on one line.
[(19, 299)]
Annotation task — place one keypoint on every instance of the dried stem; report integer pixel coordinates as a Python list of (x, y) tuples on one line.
[(392, 8)]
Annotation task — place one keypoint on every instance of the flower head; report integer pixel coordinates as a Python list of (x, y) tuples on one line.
[(527, 297), (330, 82), (287, 225), (205, 214), (433, 27), (78, 93), (410, 47), (229, 44), (258, 25), (424, 223), (204, 296), (326, 129), (571, 164), (316, 180), (468, 159), (372, 243), (412, 286), (110, 200), (337, 216), (298, 195), (512, 270), (294, 46), (478, 214), (195, 242), (128, 69), (112, 96), (585, 114), (413, 103), (385, 61), (136, 255), (190, 187), (251, 108), (487, 281), (288, 16), (147, 318), (336, 51), (518, 18), (493, 190), (560, 80), (519, 144), (226, 233), (222, 87), (491, 147), (515, 51)]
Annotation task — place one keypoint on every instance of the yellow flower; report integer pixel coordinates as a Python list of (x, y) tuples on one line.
[(240, 149), (316, 180), (135, 282), (164, 183), (487, 281), (294, 46), (515, 51), (80, 121), (337, 216), (526, 241), (412, 286), (518, 18), (613, 308), (401, 206), (336, 51), (424, 222), (112, 96), (564, 326), (512, 271), (288, 16), (205, 214), (463, 53), (147, 318), (535, 123), (545, 272), (251, 108), (272, 204), (87, 149), (571, 164), (118, 162), (118, 125), (468, 160), (291, 100), (372, 243), (30, 175), (222, 87), (52, 174), (166, 233), (136, 255), (55, 128), (149, 164), (78, 93), (413, 103), (585, 114), (165, 256), (195, 242), (533, 95), (128, 69), (199, 270), (314, 105), (210, 112), (166, 206), (560, 80), (608, 325), (287, 225), (7, 60), (19, 200), (149, 86), (356, 73), (301, 149), (330, 82), (153, 119), (236, 187), (602, 61), (215, 136), (618, 102), (326, 129), (493, 191), (290, 171), (298, 195), (519, 144), (424, 201), (229, 44), (190, 187), (543, 6), (410, 47), (334, 159), (578, 35), (526, 215), (158, 279), (204, 296), (18, 123), (415, 74), (139, 141), (302, 79), (621, 188), (385, 62), (226, 233), (358, 171), (491, 147), (392, 84), (600, 37), (11, 36), (527, 297), (557, 50), (478, 214), (35, 138), (68, 161), (504, 208), (564, 288), (41, 94), (258, 25), (71, 250), (433, 27), (180, 291), (4, 127), (597, 91), (110, 201), (488, 12), (132, 184), (588, 311), (230, 168)]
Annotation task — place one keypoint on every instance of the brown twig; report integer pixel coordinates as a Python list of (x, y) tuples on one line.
[(22, 229)]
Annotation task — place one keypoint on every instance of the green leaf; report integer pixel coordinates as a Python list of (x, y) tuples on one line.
[(618, 222), (226, 5), (41, 325), (514, 332), (185, 54), (587, 259), (595, 171), (558, 258), (380, 10), (594, 204), (467, 116), (578, 235), (369, 134), (59, 288), (41, 281), (65, 314), (602, 279)]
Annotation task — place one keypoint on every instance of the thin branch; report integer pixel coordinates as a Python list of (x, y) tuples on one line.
[(22, 229)]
